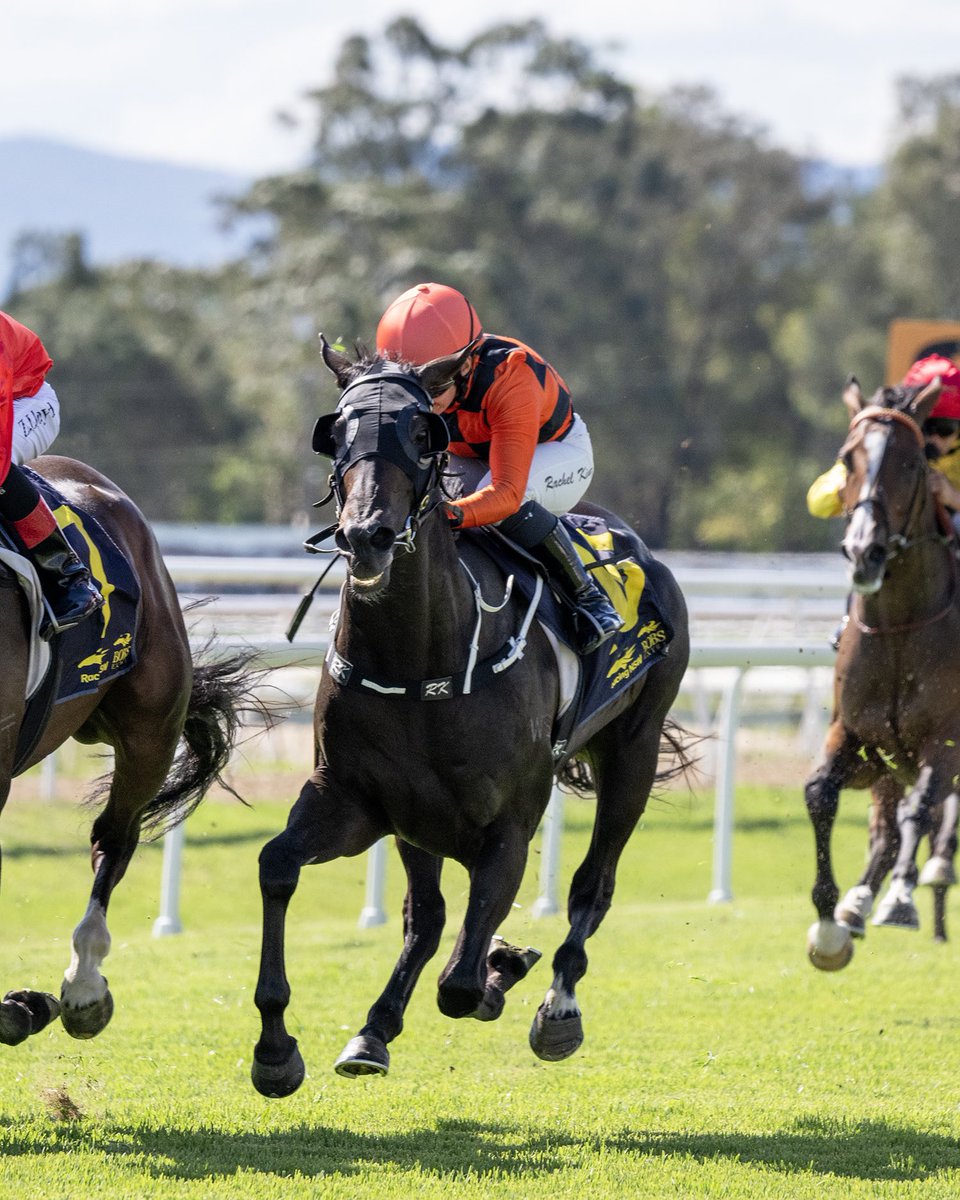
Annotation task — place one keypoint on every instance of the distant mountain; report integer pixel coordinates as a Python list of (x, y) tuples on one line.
[(127, 208)]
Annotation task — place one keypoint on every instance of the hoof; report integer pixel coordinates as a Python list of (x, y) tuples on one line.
[(901, 914), (853, 910), (88, 1021), (282, 1079), (511, 960), (829, 945), (363, 1056), (39, 1009), (851, 921), (937, 872), (555, 1038)]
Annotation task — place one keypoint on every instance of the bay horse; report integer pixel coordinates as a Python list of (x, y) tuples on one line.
[(465, 777), (896, 713), (161, 703)]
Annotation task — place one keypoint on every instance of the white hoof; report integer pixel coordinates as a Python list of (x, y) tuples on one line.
[(937, 872), (829, 945), (854, 908)]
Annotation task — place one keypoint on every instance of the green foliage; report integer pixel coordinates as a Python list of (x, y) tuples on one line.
[(702, 299)]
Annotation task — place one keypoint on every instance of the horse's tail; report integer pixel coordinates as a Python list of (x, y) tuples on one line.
[(224, 691), (676, 761)]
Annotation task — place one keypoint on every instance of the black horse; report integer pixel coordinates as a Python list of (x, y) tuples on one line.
[(468, 776)]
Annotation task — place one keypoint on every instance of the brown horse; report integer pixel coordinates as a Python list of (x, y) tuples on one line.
[(896, 718), (466, 776), (143, 715)]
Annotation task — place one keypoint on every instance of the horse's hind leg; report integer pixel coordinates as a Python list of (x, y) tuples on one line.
[(624, 757), (423, 920), (144, 745), (469, 982)]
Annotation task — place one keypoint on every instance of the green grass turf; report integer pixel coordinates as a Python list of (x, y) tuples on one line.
[(717, 1062)]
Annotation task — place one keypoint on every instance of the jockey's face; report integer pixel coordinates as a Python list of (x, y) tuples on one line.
[(443, 401), (942, 435)]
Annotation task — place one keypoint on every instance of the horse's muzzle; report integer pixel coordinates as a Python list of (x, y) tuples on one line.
[(369, 548)]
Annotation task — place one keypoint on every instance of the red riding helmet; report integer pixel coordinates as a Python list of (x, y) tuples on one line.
[(429, 321), (926, 370)]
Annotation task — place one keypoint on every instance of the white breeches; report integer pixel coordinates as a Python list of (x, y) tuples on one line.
[(559, 474), (36, 422)]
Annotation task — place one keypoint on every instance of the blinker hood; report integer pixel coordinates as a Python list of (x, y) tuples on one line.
[(378, 410)]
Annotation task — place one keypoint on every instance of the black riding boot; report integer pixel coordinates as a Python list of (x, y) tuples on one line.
[(545, 537), (596, 618), (66, 582), (67, 586)]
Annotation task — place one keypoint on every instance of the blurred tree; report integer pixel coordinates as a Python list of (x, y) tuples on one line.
[(144, 397), (651, 250)]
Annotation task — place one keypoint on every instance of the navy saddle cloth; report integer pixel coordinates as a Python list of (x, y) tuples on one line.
[(103, 646)]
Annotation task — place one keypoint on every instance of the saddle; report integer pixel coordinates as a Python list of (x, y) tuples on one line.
[(590, 683), (82, 658)]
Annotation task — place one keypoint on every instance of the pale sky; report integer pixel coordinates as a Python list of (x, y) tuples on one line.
[(200, 81)]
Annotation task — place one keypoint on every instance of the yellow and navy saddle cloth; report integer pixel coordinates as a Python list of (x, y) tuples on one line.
[(102, 647), (614, 559)]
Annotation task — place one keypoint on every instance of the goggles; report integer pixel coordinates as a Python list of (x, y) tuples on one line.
[(941, 427)]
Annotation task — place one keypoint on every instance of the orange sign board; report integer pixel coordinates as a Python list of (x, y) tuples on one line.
[(908, 340)]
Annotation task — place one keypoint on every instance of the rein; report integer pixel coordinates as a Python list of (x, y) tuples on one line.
[(900, 542)]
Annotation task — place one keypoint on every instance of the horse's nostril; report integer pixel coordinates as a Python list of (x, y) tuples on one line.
[(366, 539), (875, 556)]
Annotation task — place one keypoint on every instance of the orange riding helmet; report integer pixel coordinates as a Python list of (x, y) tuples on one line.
[(926, 370), (427, 322)]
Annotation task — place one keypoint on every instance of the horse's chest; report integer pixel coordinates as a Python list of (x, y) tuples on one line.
[(897, 710)]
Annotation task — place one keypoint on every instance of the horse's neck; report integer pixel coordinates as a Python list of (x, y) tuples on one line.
[(920, 582), (420, 627)]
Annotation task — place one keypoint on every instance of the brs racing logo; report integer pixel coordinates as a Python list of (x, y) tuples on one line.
[(649, 638)]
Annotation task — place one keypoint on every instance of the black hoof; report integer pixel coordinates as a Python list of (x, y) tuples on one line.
[(458, 1002), (41, 1007), (554, 1039), (278, 1080), (901, 915), (363, 1055), (88, 1021)]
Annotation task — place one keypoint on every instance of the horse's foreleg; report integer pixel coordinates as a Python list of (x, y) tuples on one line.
[(495, 877), (829, 944), (857, 904), (318, 830), (915, 820), (423, 920)]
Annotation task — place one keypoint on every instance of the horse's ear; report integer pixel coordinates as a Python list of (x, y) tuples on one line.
[(436, 376), (853, 397), (338, 363), (922, 404)]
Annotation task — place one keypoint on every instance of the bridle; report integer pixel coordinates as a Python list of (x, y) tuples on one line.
[(899, 543)]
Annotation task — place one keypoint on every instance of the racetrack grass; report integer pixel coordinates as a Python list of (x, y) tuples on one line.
[(717, 1063)]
